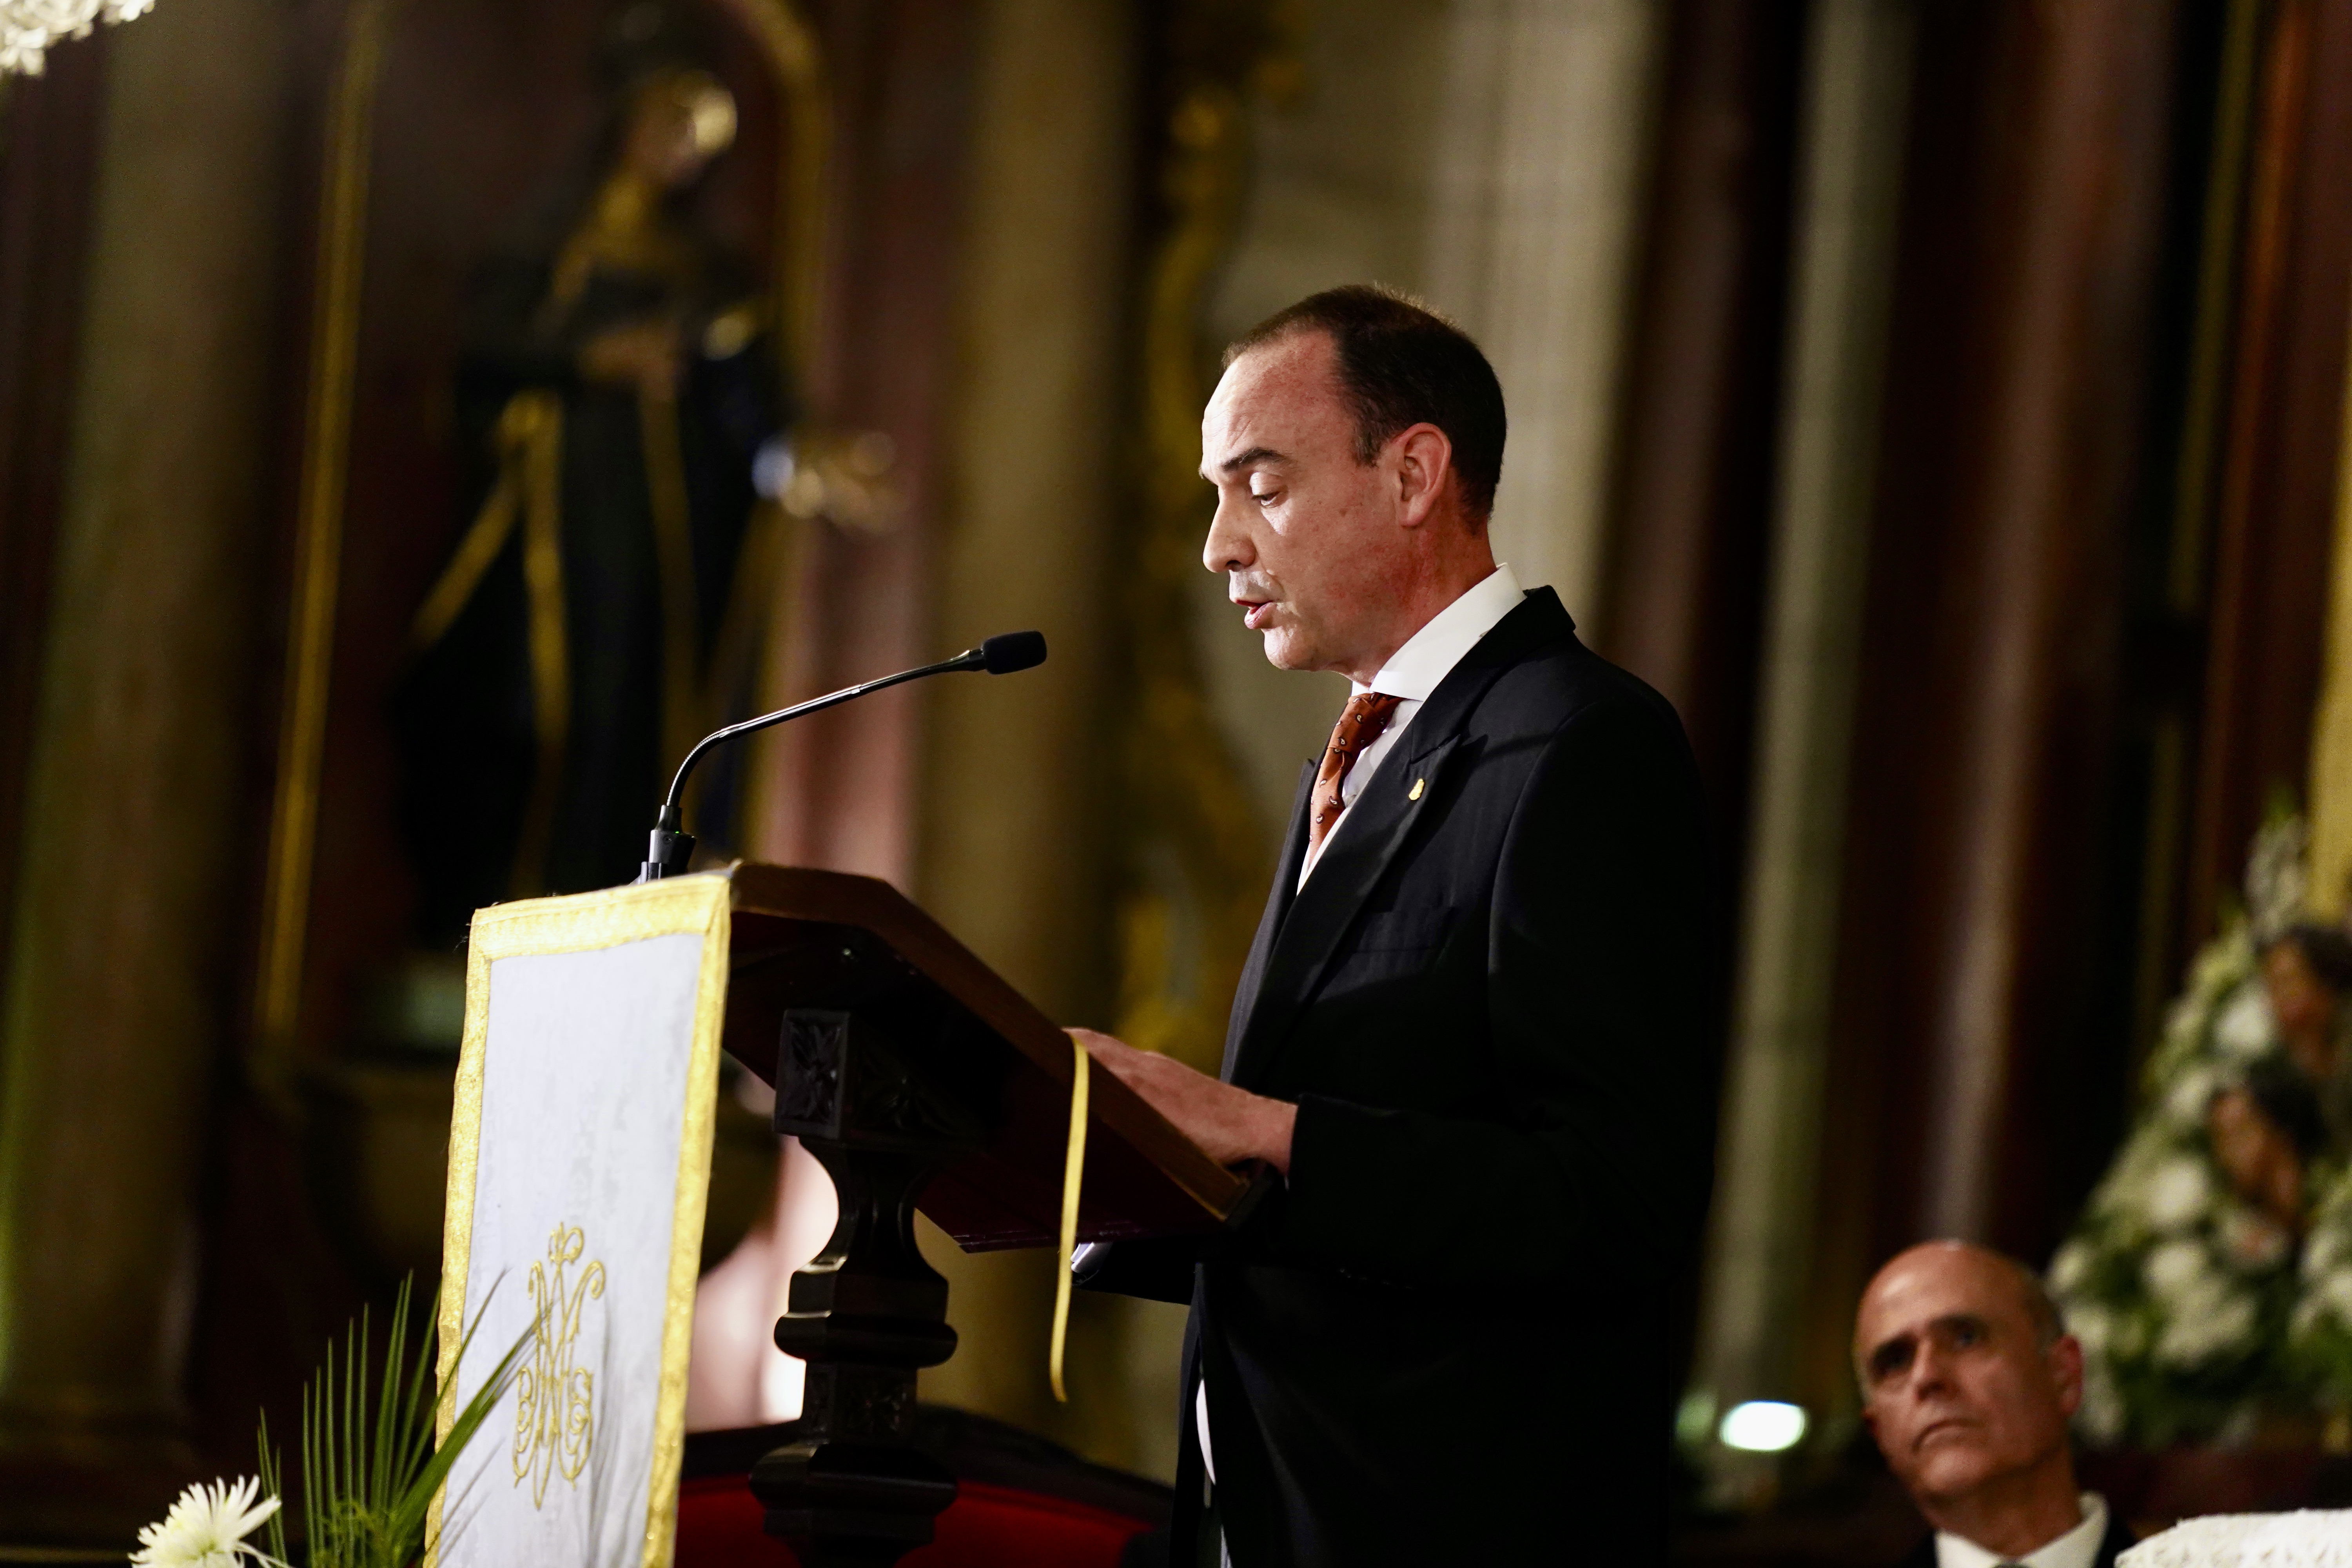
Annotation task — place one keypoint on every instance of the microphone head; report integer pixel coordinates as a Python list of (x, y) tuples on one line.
[(1008, 651)]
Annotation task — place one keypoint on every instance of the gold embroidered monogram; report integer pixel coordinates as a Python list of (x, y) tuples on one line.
[(555, 1399)]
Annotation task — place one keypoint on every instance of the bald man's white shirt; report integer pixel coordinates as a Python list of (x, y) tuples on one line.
[(1414, 671), (2078, 1547)]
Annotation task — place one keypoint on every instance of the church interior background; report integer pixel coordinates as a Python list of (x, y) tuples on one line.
[(1943, 403)]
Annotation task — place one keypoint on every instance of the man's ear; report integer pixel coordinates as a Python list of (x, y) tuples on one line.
[(2065, 1361), (1424, 472)]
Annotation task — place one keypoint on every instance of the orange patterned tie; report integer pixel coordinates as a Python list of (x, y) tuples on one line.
[(1360, 723)]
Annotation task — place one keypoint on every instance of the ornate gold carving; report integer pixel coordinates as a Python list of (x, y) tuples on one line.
[(1195, 871), (555, 1396), (318, 542), (797, 65)]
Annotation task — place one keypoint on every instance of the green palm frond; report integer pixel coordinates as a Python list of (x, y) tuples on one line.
[(370, 1468)]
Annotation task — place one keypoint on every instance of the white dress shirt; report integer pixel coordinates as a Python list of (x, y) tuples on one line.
[(2078, 1547), (1411, 673), (1416, 670)]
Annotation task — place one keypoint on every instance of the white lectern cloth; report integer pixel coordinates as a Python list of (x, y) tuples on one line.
[(580, 1159)]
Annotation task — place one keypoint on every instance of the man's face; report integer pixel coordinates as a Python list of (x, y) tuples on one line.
[(1309, 539), (1955, 1387)]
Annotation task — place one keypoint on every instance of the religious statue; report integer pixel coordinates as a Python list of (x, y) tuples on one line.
[(619, 397)]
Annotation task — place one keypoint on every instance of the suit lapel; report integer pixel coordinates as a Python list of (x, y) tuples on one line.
[(1300, 936), (1278, 906), (1366, 840)]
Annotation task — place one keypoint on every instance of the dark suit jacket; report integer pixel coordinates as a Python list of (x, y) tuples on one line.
[(2117, 1539), (1445, 1335)]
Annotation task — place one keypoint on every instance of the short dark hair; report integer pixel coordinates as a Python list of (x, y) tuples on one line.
[(1402, 365)]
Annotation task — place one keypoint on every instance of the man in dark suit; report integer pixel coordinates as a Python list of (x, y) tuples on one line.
[(1468, 1039), (1969, 1378)]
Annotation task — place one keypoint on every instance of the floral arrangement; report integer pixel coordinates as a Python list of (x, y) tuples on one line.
[(369, 1465), (2210, 1277)]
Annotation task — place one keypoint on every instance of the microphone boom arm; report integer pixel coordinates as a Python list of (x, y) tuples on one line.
[(669, 847)]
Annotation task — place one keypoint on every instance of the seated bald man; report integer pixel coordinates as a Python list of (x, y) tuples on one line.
[(1969, 1378)]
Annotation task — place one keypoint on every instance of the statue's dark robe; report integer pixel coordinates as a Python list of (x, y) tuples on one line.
[(465, 714)]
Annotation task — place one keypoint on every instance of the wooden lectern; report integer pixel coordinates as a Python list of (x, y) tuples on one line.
[(917, 1077), (923, 1081)]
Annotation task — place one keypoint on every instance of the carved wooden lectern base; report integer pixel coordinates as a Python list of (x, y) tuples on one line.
[(850, 1491), (915, 1075)]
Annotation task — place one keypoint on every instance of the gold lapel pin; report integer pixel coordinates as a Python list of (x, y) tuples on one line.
[(1416, 793)]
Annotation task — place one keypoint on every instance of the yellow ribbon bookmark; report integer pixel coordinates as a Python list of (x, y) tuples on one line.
[(1074, 1167)]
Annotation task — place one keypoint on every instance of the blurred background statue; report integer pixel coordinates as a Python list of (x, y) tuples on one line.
[(618, 396)]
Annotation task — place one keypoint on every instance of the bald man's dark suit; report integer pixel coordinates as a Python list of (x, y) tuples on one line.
[(1445, 1335)]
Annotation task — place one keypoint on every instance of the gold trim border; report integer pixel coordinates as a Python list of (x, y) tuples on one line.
[(318, 541), (805, 107), (585, 923)]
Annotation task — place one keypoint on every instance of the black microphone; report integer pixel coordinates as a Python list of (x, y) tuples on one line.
[(669, 847)]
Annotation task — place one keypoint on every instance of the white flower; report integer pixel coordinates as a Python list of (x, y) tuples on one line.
[(2212, 1323), (2192, 1096), (2070, 1267), (2278, 877), (2093, 1328), (2176, 1274), (2245, 1029), (2100, 1416), (208, 1527), (2176, 1193), (2336, 1292), (2324, 1249)]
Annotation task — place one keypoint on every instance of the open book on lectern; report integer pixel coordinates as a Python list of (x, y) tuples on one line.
[(580, 1159)]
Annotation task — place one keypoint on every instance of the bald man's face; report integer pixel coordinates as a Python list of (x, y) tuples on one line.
[(1955, 1387)]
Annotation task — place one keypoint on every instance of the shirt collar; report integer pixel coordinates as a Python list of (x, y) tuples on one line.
[(1429, 655), (2078, 1547)]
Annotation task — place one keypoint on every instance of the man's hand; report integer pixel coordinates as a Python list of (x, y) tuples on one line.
[(1232, 1124)]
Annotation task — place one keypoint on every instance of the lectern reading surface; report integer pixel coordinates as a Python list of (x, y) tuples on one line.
[(819, 941), (580, 1154)]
